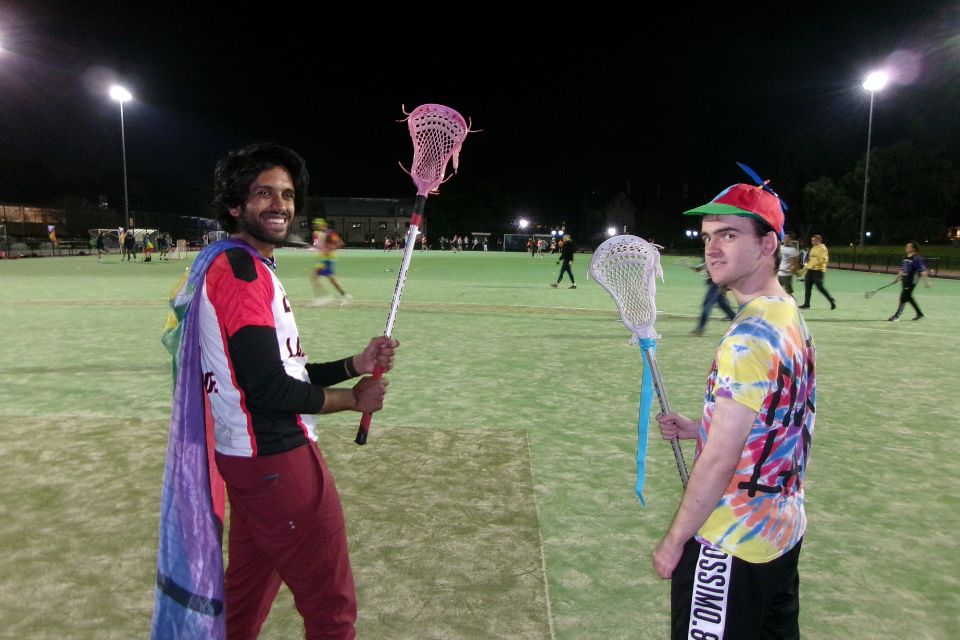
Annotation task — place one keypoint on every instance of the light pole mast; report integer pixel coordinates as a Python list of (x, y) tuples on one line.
[(121, 95), (874, 82)]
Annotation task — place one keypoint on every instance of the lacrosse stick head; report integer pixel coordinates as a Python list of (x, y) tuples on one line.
[(437, 133), (628, 267)]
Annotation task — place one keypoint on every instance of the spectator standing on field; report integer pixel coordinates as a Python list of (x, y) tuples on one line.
[(789, 262), (566, 257), (101, 246), (129, 246)]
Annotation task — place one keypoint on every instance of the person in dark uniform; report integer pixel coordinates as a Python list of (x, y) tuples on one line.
[(911, 270), (566, 257)]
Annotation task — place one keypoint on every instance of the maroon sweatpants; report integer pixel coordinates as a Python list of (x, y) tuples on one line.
[(286, 525)]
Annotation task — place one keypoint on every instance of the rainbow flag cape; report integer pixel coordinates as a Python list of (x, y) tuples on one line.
[(189, 599)]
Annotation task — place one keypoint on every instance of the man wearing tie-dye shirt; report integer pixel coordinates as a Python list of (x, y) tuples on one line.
[(733, 547)]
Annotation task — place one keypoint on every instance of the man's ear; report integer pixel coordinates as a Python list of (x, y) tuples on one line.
[(234, 211), (769, 243)]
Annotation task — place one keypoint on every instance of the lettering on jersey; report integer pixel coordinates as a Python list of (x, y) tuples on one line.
[(209, 382), (295, 354), (286, 304), (708, 607)]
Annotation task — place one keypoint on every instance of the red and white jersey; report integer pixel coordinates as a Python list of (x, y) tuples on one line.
[(254, 369)]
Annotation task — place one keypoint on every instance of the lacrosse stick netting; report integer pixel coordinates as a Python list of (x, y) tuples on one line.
[(437, 133), (627, 267)]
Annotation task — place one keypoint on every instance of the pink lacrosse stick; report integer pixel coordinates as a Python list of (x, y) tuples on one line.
[(437, 132)]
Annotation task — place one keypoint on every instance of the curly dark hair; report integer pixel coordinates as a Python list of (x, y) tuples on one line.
[(236, 171)]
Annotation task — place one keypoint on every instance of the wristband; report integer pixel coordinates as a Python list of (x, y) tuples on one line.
[(351, 370)]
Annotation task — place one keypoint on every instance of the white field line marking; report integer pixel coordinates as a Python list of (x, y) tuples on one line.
[(543, 558), (849, 325), (903, 332)]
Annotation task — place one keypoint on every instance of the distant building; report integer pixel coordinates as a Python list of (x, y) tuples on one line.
[(76, 220), (359, 220), (604, 210)]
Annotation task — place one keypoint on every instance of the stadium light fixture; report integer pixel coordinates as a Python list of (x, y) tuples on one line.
[(611, 231), (875, 81), (121, 95)]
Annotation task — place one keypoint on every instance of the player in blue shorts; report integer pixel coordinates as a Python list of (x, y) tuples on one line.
[(326, 241)]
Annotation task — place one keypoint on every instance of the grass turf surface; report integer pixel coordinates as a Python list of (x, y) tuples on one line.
[(495, 497)]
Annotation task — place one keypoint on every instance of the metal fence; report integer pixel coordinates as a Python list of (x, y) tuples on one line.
[(945, 267)]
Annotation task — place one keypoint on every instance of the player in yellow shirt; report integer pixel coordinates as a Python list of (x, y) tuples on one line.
[(326, 241), (814, 271)]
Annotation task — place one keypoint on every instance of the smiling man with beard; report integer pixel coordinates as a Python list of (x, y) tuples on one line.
[(286, 520)]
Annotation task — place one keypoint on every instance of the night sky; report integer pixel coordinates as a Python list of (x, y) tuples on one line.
[(570, 105)]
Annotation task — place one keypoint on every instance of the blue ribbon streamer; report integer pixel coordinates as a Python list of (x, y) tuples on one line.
[(643, 421)]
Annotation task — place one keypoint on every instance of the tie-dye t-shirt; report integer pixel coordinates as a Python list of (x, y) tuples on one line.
[(765, 362)]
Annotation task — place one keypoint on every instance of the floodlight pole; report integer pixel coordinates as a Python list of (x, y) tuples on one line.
[(874, 82), (866, 177), (121, 95), (123, 150)]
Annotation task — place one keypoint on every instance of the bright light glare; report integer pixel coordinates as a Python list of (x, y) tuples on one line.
[(876, 81), (523, 223), (120, 94), (611, 232)]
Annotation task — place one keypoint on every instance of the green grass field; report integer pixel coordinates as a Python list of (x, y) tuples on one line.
[(495, 497)]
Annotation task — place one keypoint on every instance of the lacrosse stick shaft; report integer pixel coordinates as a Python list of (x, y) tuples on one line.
[(665, 407), (412, 231)]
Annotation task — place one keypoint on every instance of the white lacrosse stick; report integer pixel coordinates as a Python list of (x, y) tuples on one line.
[(627, 267), (437, 133)]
